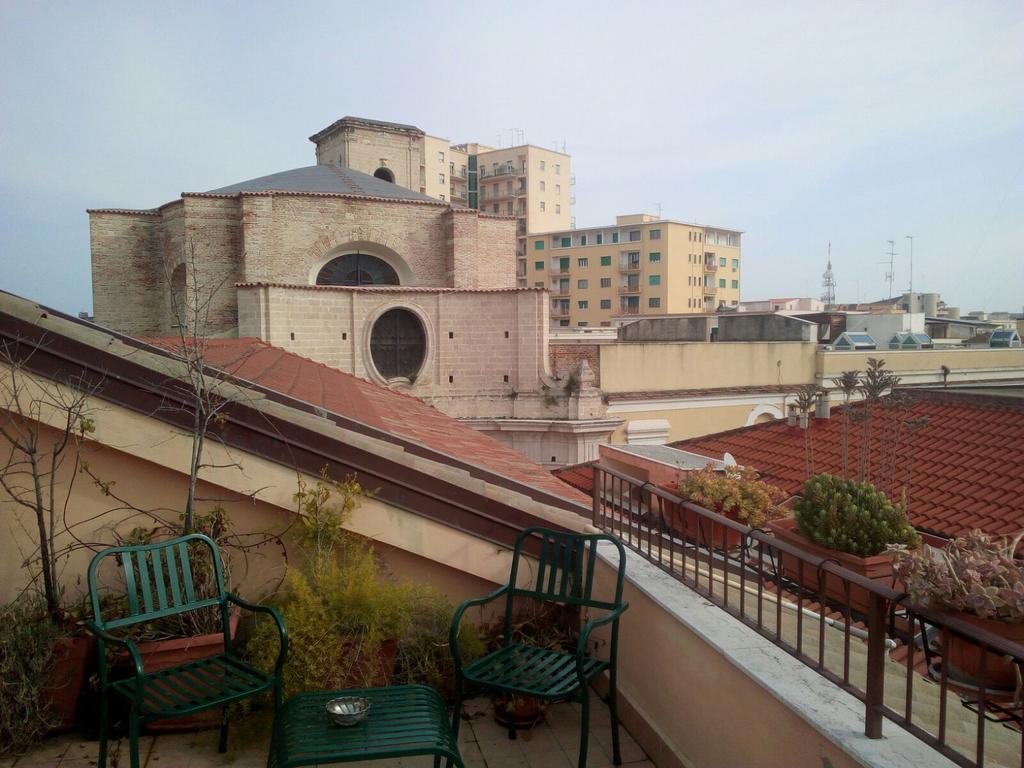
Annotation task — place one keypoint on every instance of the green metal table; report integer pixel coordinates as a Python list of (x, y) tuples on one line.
[(404, 721)]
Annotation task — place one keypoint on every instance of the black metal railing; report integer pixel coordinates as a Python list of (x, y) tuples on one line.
[(761, 579)]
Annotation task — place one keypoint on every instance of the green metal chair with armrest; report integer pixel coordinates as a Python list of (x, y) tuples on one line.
[(564, 575), (160, 581)]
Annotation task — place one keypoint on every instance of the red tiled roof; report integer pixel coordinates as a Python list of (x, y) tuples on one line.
[(580, 476), (390, 411), (962, 468)]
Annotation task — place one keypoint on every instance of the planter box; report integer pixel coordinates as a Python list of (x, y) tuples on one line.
[(877, 568), (162, 654), (705, 533), (963, 657), (71, 658)]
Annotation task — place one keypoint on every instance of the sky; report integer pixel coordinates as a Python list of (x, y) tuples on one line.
[(800, 123)]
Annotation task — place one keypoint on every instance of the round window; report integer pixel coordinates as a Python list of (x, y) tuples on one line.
[(398, 344)]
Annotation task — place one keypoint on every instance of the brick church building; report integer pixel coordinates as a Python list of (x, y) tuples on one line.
[(359, 273)]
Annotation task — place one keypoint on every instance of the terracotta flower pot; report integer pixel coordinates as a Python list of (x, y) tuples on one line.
[(706, 534), (519, 712), (963, 657), (876, 568), (71, 660)]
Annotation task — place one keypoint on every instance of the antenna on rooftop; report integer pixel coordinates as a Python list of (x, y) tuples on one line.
[(659, 209), (829, 282), (910, 287), (891, 274)]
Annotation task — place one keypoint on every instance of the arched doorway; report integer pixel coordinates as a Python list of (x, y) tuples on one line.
[(357, 269), (398, 344), (385, 174)]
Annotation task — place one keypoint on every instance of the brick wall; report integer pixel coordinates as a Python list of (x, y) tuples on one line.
[(127, 284), (565, 358), (362, 149)]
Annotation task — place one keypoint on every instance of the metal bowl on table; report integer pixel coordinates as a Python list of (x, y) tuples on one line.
[(348, 710)]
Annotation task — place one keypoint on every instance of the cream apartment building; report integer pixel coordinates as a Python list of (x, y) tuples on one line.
[(642, 265), (529, 183)]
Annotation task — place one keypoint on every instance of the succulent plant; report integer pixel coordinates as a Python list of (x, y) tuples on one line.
[(851, 516), (976, 573)]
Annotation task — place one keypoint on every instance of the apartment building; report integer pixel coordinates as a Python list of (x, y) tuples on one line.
[(530, 183), (642, 265)]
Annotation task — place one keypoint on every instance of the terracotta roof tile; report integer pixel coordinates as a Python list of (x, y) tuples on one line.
[(962, 468), (393, 412)]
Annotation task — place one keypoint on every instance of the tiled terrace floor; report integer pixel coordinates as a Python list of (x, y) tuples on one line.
[(483, 743)]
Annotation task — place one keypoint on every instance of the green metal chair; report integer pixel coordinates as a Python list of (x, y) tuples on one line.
[(564, 575), (160, 581)]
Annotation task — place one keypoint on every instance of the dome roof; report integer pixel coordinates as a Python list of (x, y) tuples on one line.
[(330, 179)]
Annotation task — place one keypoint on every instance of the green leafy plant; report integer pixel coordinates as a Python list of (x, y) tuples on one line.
[(735, 491), (851, 516), (976, 573), (348, 624), (27, 639)]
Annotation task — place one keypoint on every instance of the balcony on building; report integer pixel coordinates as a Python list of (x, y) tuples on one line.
[(559, 308), (710, 264), (629, 262), (710, 290), (508, 169), (629, 286), (559, 267)]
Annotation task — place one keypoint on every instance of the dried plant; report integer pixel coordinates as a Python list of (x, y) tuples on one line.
[(976, 573), (734, 491)]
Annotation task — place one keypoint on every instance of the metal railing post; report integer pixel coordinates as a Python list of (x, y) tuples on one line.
[(595, 496), (878, 609)]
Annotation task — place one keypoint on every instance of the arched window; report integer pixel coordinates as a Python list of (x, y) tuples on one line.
[(398, 344), (386, 174), (357, 269)]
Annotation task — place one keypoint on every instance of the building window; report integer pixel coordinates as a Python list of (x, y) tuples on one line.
[(606, 303), (558, 189), (558, 168), (600, 239), (539, 284), (615, 237), (689, 236), (734, 302), (721, 282), (441, 196), (606, 282), (542, 184), (384, 174), (563, 323), (722, 261), (440, 178), (606, 261), (583, 239), (654, 256), (357, 269), (538, 265), (654, 279), (584, 262), (398, 344), (582, 324), (558, 208), (563, 264), (440, 157), (654, 302), (542, 165), (494, 190), (634, 235), (735, 283), (510, 208), (538, 245), (654, 234), (735, 264), (542, 205), (582, 284), (509, 187), (567, 242), (496, 208), (582, 304)]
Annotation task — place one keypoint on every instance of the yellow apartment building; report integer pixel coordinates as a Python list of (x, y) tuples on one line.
[(642, 265)]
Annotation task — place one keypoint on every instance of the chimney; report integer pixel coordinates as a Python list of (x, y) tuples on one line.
[(804, 419), (822, 409), (791, 416)]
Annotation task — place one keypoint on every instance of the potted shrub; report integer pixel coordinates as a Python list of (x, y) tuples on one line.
[(848, 521), (735, 492), (979, 577)]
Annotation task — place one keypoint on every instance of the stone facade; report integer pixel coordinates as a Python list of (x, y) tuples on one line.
[(280, 238)]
